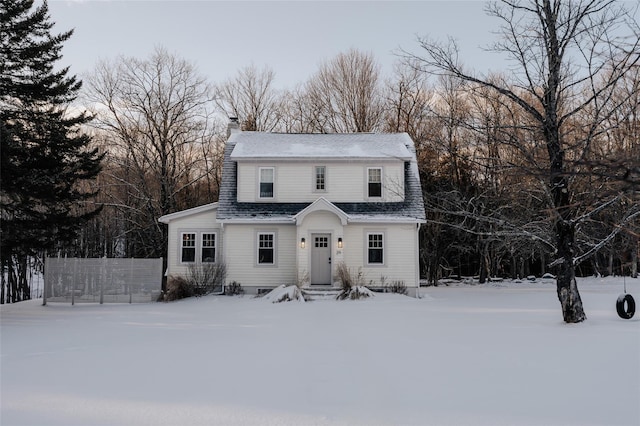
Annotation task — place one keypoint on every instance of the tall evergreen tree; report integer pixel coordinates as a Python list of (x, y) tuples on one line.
[(44, 155)]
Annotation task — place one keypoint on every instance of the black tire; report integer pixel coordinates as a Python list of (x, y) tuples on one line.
[(626, 313)]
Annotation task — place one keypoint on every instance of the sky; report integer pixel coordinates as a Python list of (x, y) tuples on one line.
[(292, 38)]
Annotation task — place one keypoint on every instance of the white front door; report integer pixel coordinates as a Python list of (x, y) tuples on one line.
[(321, 259)]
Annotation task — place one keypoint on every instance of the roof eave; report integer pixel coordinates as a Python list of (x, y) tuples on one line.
[(382, 219), (253, 220), (315, 159), (188, 212)]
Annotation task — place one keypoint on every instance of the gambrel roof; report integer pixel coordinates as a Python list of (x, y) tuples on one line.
[(357, 146)]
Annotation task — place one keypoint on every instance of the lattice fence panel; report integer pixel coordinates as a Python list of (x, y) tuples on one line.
[(102, 280)]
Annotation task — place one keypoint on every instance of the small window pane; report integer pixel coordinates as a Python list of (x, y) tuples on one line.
[(266, 175), (322, 242)]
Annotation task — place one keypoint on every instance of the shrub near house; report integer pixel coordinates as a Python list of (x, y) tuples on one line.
[(294, 206)]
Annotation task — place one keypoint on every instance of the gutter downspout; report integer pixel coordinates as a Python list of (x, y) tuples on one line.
[(417, 259)]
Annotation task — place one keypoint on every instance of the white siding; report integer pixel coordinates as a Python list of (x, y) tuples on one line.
[(247, 182), (345, 181), (241, 256), (400, 252), (238, 248), (197, 223)]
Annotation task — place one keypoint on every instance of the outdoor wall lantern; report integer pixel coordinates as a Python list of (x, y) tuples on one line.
[(339, 242), (302, 242)]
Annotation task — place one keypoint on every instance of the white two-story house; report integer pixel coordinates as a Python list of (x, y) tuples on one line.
[(293, 206)]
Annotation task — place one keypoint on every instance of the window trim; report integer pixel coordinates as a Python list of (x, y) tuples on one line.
[(273, 182), (315, 179), (194, 247), (198, 245), (214, 247), (274, 243), (367, 183), (368, 234)]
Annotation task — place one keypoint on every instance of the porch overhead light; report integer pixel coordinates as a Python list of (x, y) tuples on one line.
[(339, 242), (302, 242)]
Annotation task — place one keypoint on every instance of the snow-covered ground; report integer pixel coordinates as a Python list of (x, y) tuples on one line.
[(494, 354)]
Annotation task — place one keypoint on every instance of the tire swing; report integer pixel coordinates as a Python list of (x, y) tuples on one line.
[(625, 305)]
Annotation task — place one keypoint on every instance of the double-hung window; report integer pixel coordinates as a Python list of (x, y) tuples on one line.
[(208, 248), (266, 247), (320, 178), (375, 248), (188, 247), (374, 179), (198, 247), (266, 182)]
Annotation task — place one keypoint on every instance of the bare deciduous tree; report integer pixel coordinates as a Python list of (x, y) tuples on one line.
[(345, 95), (251, 97), (568, 59), (409, 101), (156, 120)]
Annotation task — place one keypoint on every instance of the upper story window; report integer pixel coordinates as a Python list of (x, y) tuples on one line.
[(320, 178), (188, 245), (208, 248), (374, 179), (266, 182)]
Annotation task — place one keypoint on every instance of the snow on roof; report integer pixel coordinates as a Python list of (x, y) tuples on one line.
[(230, 210), (254, 145), (185, 213)]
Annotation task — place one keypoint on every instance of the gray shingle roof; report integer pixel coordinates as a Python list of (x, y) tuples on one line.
[(412, 208)]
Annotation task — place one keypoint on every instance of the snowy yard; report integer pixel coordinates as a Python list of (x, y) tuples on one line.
[(496, 354)]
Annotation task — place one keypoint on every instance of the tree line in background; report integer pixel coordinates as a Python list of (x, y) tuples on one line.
[(528, 171)]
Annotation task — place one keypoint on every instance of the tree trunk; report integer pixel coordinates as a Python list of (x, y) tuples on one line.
[(484, 264), (3, 283), (568, 294), (567, 287), (572, 310), (521, 274)]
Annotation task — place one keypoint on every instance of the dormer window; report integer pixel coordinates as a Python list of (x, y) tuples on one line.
[(374, 175), (266, 182)]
